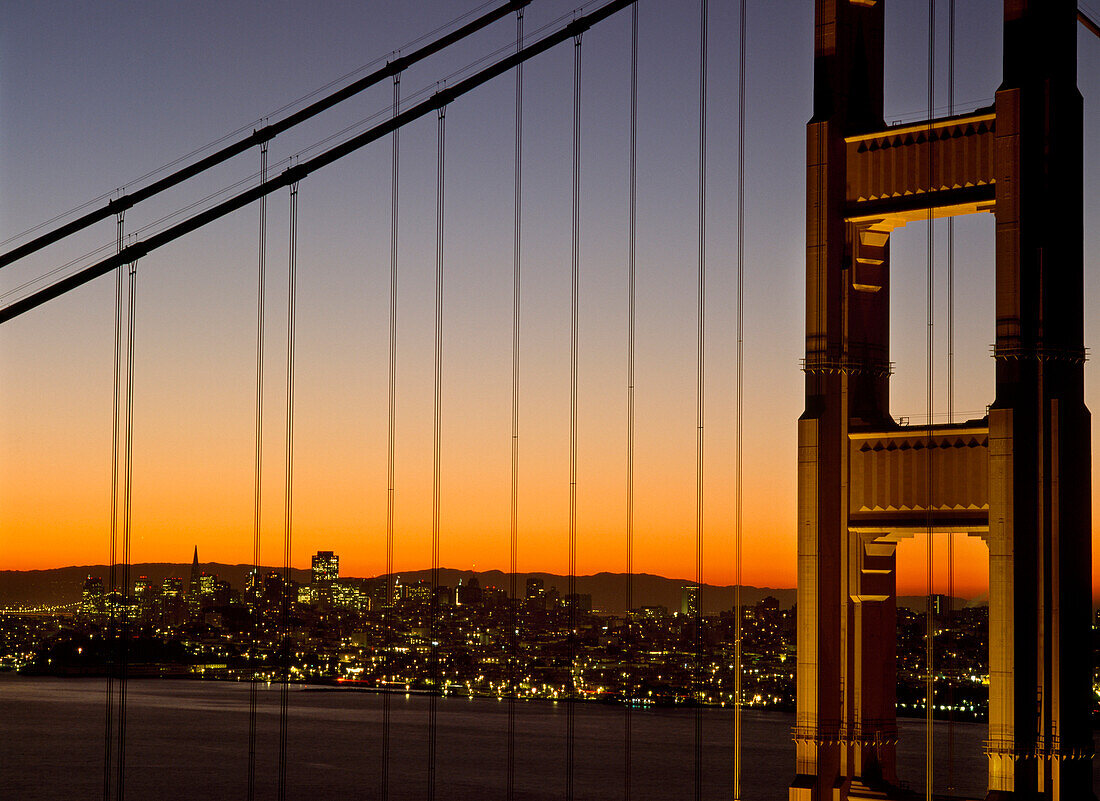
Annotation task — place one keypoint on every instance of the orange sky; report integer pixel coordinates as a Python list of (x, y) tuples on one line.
[(193, 444), (192, 483)]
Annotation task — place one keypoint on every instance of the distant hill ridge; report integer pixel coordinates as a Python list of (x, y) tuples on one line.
[(608, 590)]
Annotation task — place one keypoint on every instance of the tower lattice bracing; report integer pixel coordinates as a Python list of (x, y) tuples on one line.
[(1019, 478)]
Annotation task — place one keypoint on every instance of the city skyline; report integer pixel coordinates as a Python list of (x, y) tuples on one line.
[(249, 616)]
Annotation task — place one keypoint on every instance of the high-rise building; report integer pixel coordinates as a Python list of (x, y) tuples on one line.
[(469, 593), (326, 567), (207, 584), (115, 604), (193, 586), (444, 595), (553, 596), (144, 596), (253, 586), (536, 594), (939, 604), (274, 592), (207, 587), (349, 596), (420, 593), (689, 600), (172, 602), (91, 597)]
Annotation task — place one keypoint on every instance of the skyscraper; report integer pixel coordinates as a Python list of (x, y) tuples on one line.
[(193, 586), (536, 594), (326, 567), (689, 600), (91, 597)]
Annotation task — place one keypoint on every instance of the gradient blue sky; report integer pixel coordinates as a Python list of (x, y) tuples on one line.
[(93, 95)]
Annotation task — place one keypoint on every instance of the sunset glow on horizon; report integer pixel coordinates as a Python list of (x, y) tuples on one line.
[(195, 370)]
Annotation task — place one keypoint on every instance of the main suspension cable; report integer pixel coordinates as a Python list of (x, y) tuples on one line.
[(570, 697), (514, 658), (258, 136), (302, 169), (288, 498), (437, 451), (391, 416), (740, 411), (211, 199), (630, 346), (700, 400), (257, 479)]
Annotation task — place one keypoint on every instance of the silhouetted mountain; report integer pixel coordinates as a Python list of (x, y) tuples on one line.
[(608, 590)]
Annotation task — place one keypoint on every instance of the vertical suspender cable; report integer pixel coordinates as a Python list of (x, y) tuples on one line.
[(950, 397), (127, 492), (570, 714), (108, 731), (391, 410), (257, 484), (437, 409), (631, 303), (700, 400), (740, 406), (930, 623), (513, 661), (288, 498)]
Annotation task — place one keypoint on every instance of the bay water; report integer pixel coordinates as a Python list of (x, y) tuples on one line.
[(188, 740)]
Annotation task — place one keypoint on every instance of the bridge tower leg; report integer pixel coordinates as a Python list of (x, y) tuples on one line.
[(845, 726), (1030, 172), (1040, 739)]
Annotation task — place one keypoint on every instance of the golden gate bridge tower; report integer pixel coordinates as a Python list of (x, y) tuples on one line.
[(1019, 478)]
